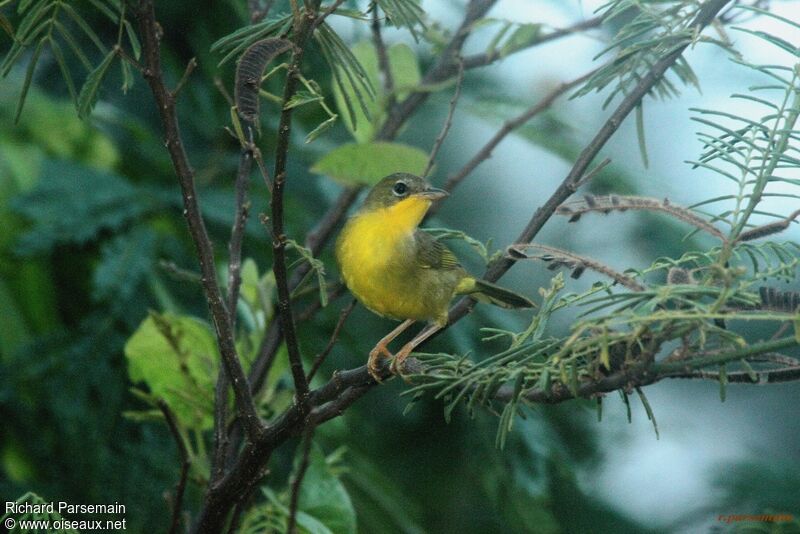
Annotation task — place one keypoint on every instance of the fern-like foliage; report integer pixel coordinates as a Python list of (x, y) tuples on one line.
[(756, 153), (60, 27), (653, 30)]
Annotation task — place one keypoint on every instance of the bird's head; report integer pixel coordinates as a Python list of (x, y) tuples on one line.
[(402, 189)]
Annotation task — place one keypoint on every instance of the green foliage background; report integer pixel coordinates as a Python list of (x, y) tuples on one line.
[(93, 240)]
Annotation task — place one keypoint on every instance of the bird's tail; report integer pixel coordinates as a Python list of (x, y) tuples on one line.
[(484, 291)]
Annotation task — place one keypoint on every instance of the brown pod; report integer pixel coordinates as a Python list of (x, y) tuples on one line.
[(249, 72)]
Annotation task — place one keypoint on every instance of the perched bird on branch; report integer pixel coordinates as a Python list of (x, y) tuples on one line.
[(400, 272)]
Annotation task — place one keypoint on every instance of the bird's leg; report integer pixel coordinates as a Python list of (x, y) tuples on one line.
[(399, 360), (382, 349)]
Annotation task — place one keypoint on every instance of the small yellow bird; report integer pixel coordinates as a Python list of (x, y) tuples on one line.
[(401, 272)]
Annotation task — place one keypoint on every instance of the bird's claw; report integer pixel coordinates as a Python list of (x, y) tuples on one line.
[(374, 361), (399, 364)]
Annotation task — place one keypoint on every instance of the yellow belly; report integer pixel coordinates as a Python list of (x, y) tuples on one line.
[(375, 254)]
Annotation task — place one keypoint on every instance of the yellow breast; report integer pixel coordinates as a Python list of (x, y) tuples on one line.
[(375, 251)]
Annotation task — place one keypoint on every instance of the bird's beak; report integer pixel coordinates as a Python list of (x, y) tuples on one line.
[(433, 193)]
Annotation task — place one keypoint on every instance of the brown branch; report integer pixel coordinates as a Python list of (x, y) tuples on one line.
[(383, 59), (304, 29), (325, 14), (153, 73), (294, 499), (186, 463), (446, 66), (234, 284)]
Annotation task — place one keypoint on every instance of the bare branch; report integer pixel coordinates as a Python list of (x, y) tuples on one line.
[(325, 14), (332, 341), (234, 283), (185, 78), (511, 125), (304, 29), (294, 499), (443, 69), (448, 121), (383, 59), (487, 58), (165, 101)]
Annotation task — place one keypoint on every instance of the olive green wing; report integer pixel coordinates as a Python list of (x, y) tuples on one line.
[(432, 254)]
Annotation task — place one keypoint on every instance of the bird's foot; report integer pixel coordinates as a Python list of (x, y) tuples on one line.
[(374, 362), (398, 365)]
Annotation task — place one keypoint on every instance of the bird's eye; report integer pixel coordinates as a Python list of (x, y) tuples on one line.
[(400, 189)]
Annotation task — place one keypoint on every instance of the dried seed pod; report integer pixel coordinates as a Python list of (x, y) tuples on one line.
[(249, 72), (680, 276)]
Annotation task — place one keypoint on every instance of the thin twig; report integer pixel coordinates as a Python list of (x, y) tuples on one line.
[(763, 376), (234, 283), (185, 78), (592, 173), (325, 14), (383, 59), (332, 341), (150, 31), (448, 121), (223, 91), (237, 232), (186, 463), (304, 30), (294, 500), (509, 126), (487, 58)]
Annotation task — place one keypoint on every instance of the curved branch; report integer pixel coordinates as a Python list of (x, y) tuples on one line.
[(165, 101)]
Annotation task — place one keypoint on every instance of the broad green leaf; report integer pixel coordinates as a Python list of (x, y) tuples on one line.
[(324, 498), (405, 76), (176, 356), (366, 164)]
